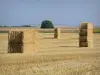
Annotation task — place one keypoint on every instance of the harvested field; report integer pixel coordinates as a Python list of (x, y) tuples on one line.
[(54, 57)]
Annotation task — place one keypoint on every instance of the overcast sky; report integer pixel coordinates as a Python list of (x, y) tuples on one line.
[(63, 12)]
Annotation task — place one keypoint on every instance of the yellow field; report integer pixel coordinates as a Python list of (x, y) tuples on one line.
[(54, 57)]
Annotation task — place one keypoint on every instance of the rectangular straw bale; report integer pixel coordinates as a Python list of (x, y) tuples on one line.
[(22, 40), (86, 35), (57, 33)]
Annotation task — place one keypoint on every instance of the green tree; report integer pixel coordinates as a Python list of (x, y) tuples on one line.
[(47, 24)]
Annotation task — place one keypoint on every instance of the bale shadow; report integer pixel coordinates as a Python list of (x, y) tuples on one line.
[(70, 46), (48, 38)]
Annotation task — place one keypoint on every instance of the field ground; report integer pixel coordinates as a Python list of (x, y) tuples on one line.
[(54, 57)]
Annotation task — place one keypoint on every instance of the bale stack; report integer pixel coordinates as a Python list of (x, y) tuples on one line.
[(57, 33), (86, 35), (22, 41)]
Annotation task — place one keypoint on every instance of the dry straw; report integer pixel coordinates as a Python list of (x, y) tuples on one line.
[(22, 40), (86, 35), (57, 33)]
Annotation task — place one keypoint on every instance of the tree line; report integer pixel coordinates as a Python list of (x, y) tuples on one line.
[(44, 24), (16, 26)]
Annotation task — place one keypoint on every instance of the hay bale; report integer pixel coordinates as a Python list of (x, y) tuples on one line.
[(22, 40), (57, 33), (86, 35), (15, 37)]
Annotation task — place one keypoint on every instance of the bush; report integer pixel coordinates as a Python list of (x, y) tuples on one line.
[(47, 24)]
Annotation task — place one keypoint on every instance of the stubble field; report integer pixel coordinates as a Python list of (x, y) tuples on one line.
[(53, 57)]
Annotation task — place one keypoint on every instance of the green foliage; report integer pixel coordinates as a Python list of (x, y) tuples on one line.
[(47, 24), (97, 30)]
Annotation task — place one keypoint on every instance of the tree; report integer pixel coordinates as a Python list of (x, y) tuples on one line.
[(47, 24)]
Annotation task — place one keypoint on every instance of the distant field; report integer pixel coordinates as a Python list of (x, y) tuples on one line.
[(63, 30)]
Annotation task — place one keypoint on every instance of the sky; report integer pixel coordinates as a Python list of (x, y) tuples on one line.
[(60, 12)]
